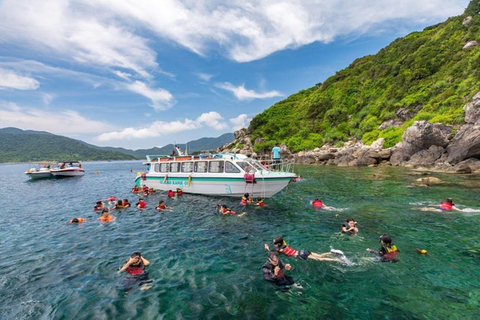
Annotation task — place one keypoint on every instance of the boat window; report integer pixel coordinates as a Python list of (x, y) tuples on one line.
[(246, 166), (216, 167), (174, 167), (187, 166), (157, 167), (231, 168), (163, 167), (201, 166)]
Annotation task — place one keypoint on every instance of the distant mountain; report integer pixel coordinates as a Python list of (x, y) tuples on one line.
[(203, 144), (17, 145)]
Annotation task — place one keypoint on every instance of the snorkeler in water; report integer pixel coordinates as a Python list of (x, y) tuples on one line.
[(135, 267), (350, 227), (446, 205), (224, 210), (77, 220), (273, 270), (106, 216), (281, 246), (317, 203), (388, 251)]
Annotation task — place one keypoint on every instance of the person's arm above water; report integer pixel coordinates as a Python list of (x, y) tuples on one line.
[(126, 265), (146, 263)]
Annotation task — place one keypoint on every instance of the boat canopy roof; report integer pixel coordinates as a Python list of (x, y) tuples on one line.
[(206, 156), (44, 163)]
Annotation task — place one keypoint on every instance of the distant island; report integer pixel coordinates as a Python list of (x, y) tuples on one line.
[(18, 145)]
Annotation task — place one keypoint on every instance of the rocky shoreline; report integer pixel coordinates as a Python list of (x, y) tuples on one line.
[(424, 145)]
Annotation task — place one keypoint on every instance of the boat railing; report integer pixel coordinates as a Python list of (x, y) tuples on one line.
[(279, 165)]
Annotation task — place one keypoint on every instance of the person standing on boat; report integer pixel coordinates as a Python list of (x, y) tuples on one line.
[(276, 154)]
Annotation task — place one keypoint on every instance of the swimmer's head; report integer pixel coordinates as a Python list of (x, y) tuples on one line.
[(246, 195), (279, 242), (105, 211), (273, 257), (74, 220), (450, 201), (386, 238), (136, 254), (99, 203)]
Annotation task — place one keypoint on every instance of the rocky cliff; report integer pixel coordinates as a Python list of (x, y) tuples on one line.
[(424, 144)]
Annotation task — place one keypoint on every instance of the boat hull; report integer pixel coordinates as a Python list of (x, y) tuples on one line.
[(39, 175), (233, 186), (68, 172)]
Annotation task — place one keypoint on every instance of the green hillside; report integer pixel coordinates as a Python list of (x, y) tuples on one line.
[(19, 146), (426, 72)]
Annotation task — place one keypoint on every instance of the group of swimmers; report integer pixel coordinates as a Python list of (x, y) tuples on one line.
[(114, 204), (245, 200)]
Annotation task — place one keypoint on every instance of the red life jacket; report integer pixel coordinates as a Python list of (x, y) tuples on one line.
[(317, 203), (142, 204), (136, 270), (289, 251), (171, 194), (446, 206)]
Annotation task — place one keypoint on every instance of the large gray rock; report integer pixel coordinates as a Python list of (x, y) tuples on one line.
[(465, 144), (467, 21), (426, 157), (468, 166), (472, 110), (420, 136)]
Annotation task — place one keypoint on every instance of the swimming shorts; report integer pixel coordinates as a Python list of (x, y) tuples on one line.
[(303, 254)]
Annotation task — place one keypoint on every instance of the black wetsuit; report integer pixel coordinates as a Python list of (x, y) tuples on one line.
[(281, 280)]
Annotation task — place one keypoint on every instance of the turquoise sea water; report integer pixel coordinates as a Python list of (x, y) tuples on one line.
[(206, 266)]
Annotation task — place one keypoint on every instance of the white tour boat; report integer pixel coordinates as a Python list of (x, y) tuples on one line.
[(68, 169), (40, 170), (223, 174)]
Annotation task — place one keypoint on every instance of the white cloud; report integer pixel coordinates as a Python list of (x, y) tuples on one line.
[(161, 98), (60, 122), (244, 94), (12, 80), (205, 76), (112, 33), (212, 119), (47, 98), (161, 128), (240, 122)]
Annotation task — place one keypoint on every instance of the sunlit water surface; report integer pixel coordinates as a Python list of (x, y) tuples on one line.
[(207, 266)]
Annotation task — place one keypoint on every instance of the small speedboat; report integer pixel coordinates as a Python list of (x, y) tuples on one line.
[(68, 169), (40, 170)]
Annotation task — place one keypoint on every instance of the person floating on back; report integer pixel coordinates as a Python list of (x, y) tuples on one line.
[(388, 252), (224, 210), (350, 227), (446, 205), (318, 204), (273, 270), (135, 267), (106, 216), (246, 199), (281, 246), (77, 220)]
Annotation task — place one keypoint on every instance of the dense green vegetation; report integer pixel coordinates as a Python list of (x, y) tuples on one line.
[(428, 72), (19, 146)]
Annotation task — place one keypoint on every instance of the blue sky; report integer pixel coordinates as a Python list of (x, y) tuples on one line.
[(144, 73)]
